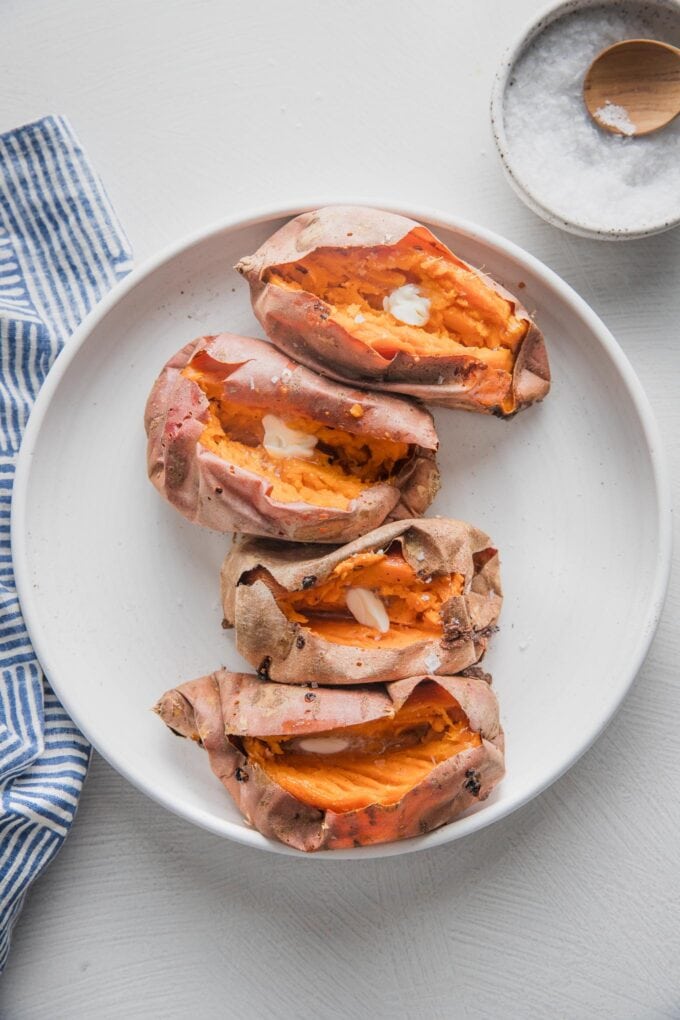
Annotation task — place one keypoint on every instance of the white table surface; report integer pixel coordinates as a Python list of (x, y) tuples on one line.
[(196, 109)]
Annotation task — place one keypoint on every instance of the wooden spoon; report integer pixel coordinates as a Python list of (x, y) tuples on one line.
[(633, 87)]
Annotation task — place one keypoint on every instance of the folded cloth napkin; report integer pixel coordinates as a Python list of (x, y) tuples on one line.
[(61, 249)]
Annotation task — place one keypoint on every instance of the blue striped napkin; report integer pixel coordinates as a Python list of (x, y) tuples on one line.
[(61, 249)]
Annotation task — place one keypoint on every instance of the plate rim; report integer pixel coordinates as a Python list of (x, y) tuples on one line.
[(654, 446)]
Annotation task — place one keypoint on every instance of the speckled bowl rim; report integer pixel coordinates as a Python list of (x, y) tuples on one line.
[(512, 55)]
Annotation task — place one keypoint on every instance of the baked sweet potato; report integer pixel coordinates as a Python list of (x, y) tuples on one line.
[(241, 438), (411, 597), (325, 768), (374, 298)]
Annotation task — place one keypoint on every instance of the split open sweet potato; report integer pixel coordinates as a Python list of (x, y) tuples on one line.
[(374, 298), (241, 438), (411, 597), (326, 768)]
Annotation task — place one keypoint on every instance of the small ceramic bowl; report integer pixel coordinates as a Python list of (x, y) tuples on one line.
[(663, 20)]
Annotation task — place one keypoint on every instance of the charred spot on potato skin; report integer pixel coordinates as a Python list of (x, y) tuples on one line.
[(310, 696), (455, 634), (309, 581), (486, 632), (473, 782), (225, 624), (321, 309), (219, 491), (463, 370), (176, 470), (241, 776), (263, 668), (477, 673), (299, 642)]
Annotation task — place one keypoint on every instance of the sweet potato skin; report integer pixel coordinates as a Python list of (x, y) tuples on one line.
[(204, 710), (256, 571), (209, 491), (301, 325)]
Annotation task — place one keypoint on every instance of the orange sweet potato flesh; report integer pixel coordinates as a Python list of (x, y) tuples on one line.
[(467, 317), (244, 379), (385, 759), (448, 742), (413, 604), (342, 466), (319, 286)]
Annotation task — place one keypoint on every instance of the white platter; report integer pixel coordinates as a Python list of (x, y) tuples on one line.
[(121, 595)]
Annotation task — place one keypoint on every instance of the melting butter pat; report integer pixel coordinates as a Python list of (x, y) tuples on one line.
[(366, 608), (282, 441), (323, 745), (408, 304)]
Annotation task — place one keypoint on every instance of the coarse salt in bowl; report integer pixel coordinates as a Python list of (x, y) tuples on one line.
[(568, 170)]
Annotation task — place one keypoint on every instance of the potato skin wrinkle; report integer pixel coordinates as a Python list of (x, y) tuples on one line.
[(439, 580), (407, 757), (206, 453), (323, 285), (366, 717)]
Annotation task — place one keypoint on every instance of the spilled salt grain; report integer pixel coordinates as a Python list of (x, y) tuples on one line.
[(615, 116), (570, 166)]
